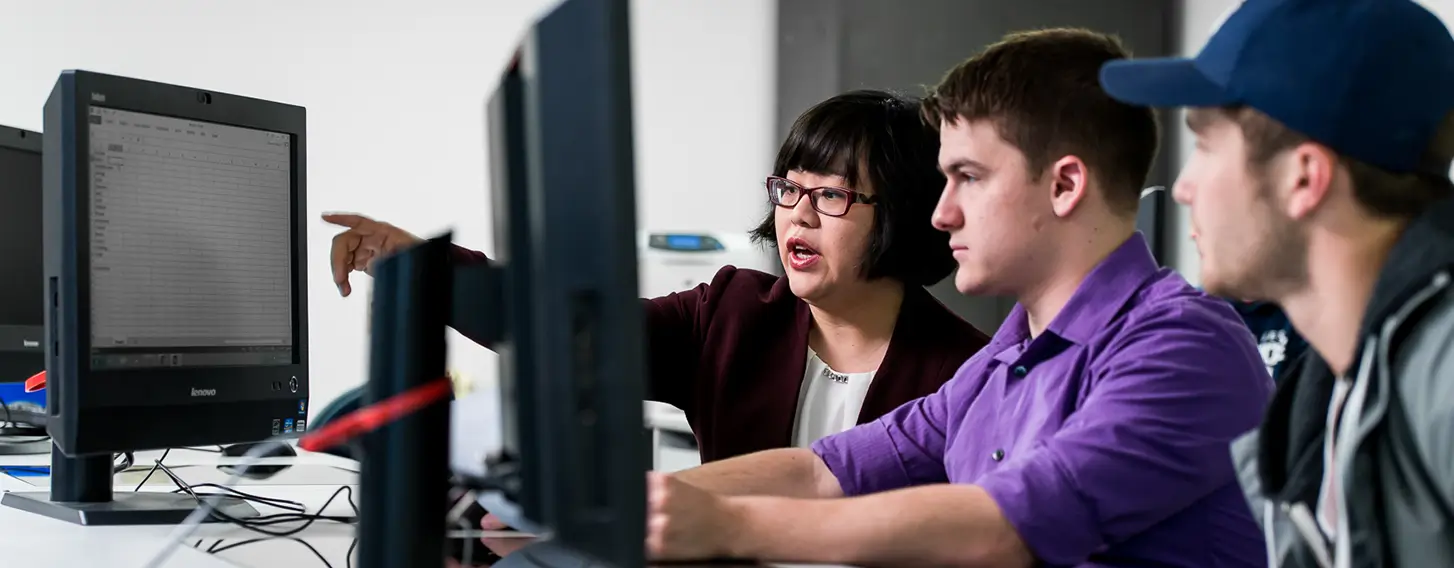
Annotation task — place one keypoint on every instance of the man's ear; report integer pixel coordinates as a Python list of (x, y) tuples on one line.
[(1068, 180), (1306, 176)]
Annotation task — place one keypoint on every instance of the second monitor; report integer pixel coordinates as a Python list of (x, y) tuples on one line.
[(175, 288), (22, 323)]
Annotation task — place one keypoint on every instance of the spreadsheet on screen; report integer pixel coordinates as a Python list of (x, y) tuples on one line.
[(190, 241)]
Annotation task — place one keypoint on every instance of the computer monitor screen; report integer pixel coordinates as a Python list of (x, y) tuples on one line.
[(190, 243), (22, 299), (174, 292)]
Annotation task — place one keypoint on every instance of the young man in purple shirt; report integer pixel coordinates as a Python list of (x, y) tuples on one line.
[(1092, 431)]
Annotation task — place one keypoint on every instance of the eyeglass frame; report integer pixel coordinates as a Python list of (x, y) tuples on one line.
[(814, 192)]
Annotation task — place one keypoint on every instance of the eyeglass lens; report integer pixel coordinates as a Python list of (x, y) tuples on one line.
[(827, 200)]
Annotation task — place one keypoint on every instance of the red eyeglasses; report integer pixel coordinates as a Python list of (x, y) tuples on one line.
[(830, 201)]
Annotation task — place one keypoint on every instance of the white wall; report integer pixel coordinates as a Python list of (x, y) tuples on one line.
[(1200, 17), (395, 95)]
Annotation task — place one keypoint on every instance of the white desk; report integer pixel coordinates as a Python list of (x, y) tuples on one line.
[(32, 540)]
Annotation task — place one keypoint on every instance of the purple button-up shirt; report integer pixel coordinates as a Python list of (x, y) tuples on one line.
[(1104, 440)]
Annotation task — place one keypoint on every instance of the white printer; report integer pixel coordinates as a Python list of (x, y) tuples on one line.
[(675, 261)]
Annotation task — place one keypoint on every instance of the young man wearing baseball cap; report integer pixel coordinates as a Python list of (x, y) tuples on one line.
[(1320, 181)]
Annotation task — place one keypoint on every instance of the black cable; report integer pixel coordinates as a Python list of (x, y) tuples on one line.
[(348, 556), (127, 460), (12, 428), (189, 489), (293, 506), (218, 549), (256, 524), (153, 469)]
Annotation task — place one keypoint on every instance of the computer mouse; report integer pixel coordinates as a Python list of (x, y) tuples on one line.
[(275, 450)]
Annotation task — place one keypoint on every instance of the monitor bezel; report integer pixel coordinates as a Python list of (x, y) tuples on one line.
[(23, 140), (116, 389)]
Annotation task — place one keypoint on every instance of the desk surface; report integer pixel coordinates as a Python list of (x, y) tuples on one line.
[(34, 541)]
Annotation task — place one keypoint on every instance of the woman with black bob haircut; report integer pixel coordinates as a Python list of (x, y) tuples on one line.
[(849, 333), (895, 160)]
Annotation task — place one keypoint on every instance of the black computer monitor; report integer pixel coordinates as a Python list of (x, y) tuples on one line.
[(22, 302), (560, 306), (563, 188), (22, 317), (176, 297)]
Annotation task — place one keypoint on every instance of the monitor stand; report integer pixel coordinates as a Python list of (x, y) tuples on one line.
[(81, 493)]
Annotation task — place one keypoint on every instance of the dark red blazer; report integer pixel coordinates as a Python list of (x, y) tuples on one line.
[(732, 354)]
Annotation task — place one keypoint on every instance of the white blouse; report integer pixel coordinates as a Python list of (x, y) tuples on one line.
[(828, 401)]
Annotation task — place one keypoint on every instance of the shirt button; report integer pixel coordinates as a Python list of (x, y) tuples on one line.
[(998, 455), (1020, 370)]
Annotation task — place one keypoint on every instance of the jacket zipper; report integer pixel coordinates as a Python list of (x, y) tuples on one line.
[(1364, 421)]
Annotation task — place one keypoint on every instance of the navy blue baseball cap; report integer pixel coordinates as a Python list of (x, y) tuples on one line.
[(1371, 79)]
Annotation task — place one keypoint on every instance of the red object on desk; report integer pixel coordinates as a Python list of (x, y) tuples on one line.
[(35, 382), (370, 418)]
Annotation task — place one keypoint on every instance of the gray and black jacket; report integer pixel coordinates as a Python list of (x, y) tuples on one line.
[(1397, 458)]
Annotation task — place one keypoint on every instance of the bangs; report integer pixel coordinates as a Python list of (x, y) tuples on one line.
[(877, 142), (827, 141)]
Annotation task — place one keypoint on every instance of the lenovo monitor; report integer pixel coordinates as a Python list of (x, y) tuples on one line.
[(175, 290), (22, 318)]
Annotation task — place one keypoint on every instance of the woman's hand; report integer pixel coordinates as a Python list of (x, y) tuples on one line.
[(365, 241)]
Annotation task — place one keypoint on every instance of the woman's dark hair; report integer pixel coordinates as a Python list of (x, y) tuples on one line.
[(879, 141)]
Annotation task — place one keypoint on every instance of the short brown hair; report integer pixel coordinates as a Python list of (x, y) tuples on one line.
[(1381, 192), (1042, 90)]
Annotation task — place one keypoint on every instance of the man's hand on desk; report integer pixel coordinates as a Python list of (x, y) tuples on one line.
[(684, 522), (365, 241), (929, 525)]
